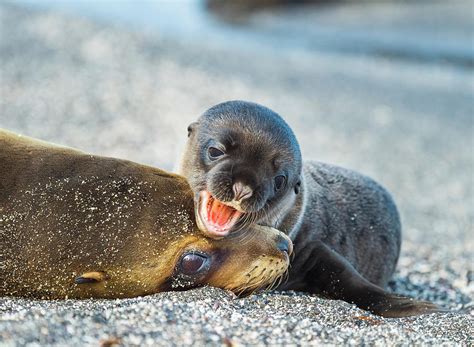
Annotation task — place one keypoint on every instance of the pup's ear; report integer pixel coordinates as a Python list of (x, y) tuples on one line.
[(191, 128), (297, 187)]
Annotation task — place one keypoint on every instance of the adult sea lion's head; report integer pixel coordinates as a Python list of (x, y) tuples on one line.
[(78, 226), (240, 263), (243, 163)]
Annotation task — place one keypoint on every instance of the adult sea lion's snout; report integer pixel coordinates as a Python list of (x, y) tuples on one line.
[(284, 244), (256, 258)]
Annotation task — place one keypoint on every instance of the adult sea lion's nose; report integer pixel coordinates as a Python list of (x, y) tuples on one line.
[(284, 244)]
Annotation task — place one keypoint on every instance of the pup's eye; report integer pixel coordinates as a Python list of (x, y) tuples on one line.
[(193, 263), (279, 182), (215, 153)]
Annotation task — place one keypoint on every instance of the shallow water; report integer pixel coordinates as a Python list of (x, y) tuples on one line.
[(183, 17), (434, 32)]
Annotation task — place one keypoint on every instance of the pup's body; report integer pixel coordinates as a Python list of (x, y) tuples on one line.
[(243, 159), (348, 212), (78, 226)]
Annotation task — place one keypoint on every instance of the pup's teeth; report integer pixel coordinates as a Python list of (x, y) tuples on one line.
[(216, 215)]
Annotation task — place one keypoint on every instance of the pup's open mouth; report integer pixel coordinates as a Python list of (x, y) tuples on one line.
[(215, 217)]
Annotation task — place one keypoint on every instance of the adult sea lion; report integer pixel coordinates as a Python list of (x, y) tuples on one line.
[(74, 225), (244, 165)]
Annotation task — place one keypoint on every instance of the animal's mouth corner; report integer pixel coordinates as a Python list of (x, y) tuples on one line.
[(215, 217)]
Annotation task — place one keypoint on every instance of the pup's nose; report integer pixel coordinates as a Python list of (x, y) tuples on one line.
[(241, 191), (284, 244)]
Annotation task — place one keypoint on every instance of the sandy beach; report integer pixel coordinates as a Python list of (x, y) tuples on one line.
[(115, 91)]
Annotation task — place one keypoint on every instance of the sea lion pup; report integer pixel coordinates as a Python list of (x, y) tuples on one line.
[(74, 225), (244, 165)]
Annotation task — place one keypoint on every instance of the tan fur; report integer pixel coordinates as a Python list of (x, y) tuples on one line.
[(96, 276), (66, 214)]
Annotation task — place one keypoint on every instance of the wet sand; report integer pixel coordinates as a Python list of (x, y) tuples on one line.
[(116, 92)]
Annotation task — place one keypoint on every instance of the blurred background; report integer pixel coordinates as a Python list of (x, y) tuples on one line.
[(383, 87)]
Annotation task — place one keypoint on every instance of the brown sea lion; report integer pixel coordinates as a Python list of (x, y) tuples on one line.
[(244, 165), (74, 225)]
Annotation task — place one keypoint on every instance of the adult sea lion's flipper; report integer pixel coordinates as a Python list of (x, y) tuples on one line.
[(91, 277), (332, 275)]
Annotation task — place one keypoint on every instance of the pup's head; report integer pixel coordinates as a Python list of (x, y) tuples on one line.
[(243, 163)]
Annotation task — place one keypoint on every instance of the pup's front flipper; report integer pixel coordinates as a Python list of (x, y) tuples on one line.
[(332, 275), (91, 277)]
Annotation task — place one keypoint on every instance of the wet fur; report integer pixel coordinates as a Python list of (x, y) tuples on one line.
[(75, 225)]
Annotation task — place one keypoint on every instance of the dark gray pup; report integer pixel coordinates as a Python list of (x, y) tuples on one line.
[(244, 165)]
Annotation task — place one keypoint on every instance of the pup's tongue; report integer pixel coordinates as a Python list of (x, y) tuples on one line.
[(217, 217)]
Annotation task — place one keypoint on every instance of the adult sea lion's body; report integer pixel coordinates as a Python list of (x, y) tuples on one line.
[(243, 162), (78, 226)]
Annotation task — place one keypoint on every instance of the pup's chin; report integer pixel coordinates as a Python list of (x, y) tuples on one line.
[(215, 218)]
